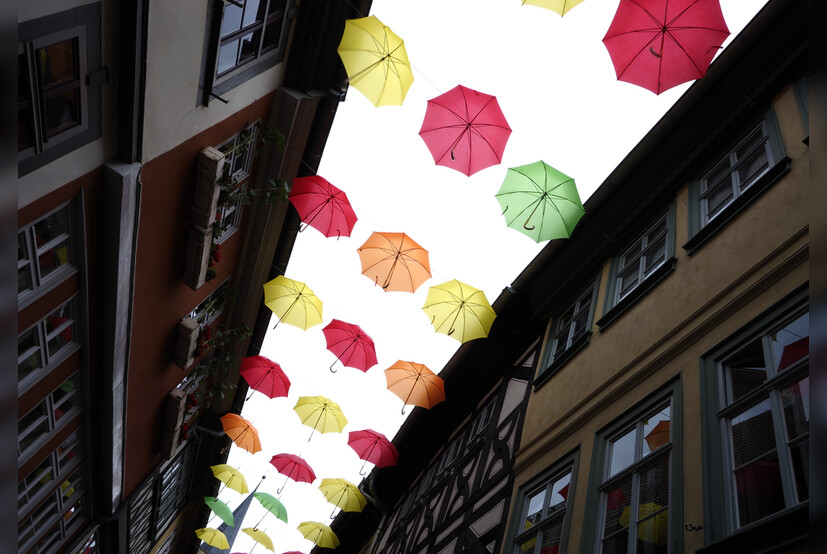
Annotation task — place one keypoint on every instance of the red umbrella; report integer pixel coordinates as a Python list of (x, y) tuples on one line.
[(323, 206), (465, 130), (658, 44), (294, 468), (265, 376), (373, 447), (350, 344)]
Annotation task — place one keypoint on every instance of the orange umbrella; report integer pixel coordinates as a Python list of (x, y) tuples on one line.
[(242, 432), (415, 384), (394, 262)]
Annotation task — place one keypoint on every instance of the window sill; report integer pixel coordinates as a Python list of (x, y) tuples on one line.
[(563, 359), (738, 205), (648, 284), (781, 530)]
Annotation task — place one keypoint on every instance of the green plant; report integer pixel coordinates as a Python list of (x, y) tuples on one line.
[(215, 345)]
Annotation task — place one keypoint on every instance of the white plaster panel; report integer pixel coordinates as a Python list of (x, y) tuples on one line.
[(171, 113), (514, 395)]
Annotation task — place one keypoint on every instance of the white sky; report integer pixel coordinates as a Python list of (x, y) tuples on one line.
[(556, 85)]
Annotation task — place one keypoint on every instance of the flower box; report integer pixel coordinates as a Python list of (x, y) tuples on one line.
[(185, 345), (197, 259), (205, 203), (173, 420)]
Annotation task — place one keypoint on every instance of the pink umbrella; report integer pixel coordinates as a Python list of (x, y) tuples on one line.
[(350, 344), (323, 206), (465, 130), (373, 447), (658, 44), (265, 376), (294, 468)]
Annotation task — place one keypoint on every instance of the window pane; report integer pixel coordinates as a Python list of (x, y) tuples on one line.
[(622, 453), (759, 490), (249, 47), (746, 370), (67, 450), (52, 259), (796, 402), (753, 436), (552, 536), (30, 434), (616, 525), (231, 21), (29, 365), (654, 488), (652, 533), (227, 56), (35, 481), (800, 454), (559, 494), (62, 111), (535, 509), (792, 343), (58, 62), (752, 168), (253, 11), (272, 33), (51, 227), (718, 196), (24, 279), (656, 431)]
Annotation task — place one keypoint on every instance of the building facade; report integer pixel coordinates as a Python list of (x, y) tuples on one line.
[(140, 124)]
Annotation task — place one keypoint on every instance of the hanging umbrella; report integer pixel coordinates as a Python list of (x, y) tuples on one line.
[(658, 436), (294, 468), (459, 310), (323, 206), (231, 477), (319, 534), (320, 413), (231, 531), (658, 44), (415, 384), (654, 530), (213, 537), (350, 344), (242, 432), (260, 537), (220, 508), (540, 202), (394, 261), (293, 302), (343, 494), (265, 376), (560, 6), (373, 447), (272, 505), (465, 130), (376, 61)]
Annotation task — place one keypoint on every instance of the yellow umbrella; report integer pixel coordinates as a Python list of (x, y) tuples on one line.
[(654, 530), (376, 61), (560, 6), (344, 494), (260, 537), (319, 534), (459, 310), (231, 477), (213, 537), (320, 413), (293, 302)]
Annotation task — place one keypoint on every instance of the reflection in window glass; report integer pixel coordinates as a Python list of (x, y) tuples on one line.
[(622, 453), (791, 343)]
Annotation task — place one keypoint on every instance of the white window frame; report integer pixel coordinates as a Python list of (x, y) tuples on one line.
[(584, 305), (30, 260), (49, 361), (53, 425), (213, 315), (633, 260), (567, 468), (231, 213)]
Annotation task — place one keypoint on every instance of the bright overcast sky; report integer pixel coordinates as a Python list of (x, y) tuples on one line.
[(556, 85)]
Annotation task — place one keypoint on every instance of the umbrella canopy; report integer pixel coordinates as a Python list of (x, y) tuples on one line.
[(654, 530), (415, 384), (293, 302), (260, 537), (459, 310), (394, 261), (376, 61), (320, 413), (350, 344), (658, 44), (560, 6), (540, 201), (465, 130), (220, 508), (323, 206), (373, 447), (213, 537), (272, 505), (231, 477), (319, 534), (242, 432), (265, 376), (293, 467), (343, 494)]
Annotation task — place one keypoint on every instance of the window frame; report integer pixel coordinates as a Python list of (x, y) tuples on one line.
[(723, 531), (232, 212), (778, 165), (614, 305), (599, 478), (82, 23)]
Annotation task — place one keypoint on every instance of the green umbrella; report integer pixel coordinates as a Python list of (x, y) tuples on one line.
[(272, 504), (220, 508), (539, 201)]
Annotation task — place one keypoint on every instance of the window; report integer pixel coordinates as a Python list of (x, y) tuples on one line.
[(44, 253), (543, 511), (211, 307), (568, 331), (47, 419), (739, 174), (757, 404), (49, 342), (634, 503), (245, 38), (238, 152), (58, 85)]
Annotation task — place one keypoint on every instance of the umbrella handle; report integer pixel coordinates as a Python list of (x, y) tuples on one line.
[(362, 471), (331, 366), (281, 488)]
